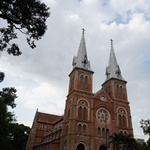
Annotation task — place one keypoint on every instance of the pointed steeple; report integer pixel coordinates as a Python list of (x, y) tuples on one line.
[(81, 60), (113, 69)]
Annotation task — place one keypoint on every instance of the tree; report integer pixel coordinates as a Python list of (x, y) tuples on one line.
[(27, 16), (12, 135), (2, 75), (115, 140), (18, 136), (148, 143), (7, 97), (125, 142), (142, 146), (129, 142), (145, 125)]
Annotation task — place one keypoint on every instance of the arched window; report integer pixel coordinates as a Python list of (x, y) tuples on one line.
[(71, 82), (79, 128), (125, 132), (84, 129), (122, 117), (80, 112), (107, 133), (120, 92), (120, 120), (103, 132), (124, 121), (98, 131), (86, 82), (81, 81), (84, 113), (117, 89)]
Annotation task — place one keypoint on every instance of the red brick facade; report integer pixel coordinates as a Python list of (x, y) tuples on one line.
[(89, 118)]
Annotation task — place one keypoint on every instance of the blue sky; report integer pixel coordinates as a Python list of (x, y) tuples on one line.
[(41, 75)]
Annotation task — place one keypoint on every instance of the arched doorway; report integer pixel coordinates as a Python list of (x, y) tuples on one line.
[(80, 147), (102, 147)]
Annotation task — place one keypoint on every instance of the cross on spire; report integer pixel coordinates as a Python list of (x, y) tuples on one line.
[(83, 30), (111, 41)]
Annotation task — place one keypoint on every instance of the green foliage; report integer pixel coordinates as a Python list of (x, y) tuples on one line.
[(142, 146), (148, 143), (12, 135), (126, 142), (7, 98), (145, 125), (19, 136), (16, 138), (2, 75), (27, 16)]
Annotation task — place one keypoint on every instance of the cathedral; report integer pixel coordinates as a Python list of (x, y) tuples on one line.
[(89, 118)]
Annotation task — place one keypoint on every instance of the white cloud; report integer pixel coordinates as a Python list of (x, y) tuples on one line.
[(43, 95), (74, 18)]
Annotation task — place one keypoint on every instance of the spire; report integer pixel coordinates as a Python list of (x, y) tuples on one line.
[(113, 70), (81, 60)]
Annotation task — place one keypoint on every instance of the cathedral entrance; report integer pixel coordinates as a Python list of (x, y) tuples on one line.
[(80, 147), (102, 147)]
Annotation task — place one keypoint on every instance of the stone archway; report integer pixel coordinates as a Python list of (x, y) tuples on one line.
[(102, 147), (80, 147)]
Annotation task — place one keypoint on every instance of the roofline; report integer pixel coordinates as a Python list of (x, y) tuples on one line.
[(112, 78), (81, 69), (52, 123)]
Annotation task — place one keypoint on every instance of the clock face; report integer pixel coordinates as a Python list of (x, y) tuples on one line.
[(103, 116)]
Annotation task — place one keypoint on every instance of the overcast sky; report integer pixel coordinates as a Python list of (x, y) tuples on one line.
[(41, 75)]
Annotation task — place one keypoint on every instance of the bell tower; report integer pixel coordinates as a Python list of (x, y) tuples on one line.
[(77, 116), (115, 87), (81, 75)]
